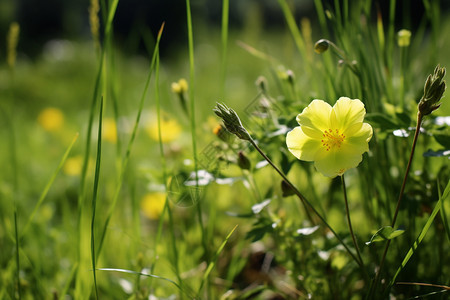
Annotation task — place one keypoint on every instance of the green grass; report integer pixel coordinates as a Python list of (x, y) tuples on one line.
[(87, 235)]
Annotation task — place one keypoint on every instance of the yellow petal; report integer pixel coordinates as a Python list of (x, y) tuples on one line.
[(301, 145), (336, 163), (316, 115), (348, 112)]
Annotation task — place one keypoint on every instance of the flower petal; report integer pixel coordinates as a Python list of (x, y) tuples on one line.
[(316, 115), (348, 112), (337, 162), (301, 145)]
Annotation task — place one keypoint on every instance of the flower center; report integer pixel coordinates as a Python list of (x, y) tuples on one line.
[(332, 139)]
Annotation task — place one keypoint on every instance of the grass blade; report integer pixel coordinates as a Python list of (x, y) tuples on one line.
[(130, 144), (422, 233), (48, 185), (212, 264), (146, 275), (95, 194)]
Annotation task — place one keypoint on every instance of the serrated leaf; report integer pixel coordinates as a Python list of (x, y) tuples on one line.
[(385, 233)]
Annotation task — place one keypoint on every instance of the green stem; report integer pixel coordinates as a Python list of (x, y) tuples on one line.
[(397, 208), (344, 189), (305, 201)]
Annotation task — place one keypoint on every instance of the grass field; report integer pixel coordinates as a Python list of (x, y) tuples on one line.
[(125, 177)]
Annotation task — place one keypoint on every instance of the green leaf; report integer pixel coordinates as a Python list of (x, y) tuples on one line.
[(422, 234), (382, 121), (442, 138), (385, 233)]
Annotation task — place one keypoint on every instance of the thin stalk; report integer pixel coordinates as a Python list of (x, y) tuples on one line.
[(397, 208), (344, 189), (193, 125), (95, 195), (164, 167), (305, 201), (225, 14)]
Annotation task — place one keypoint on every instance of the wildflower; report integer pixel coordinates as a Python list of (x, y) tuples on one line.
[(404, 37), (333, 137), (110, 130), (152, 205), (51, 119), (73, 165), (170, 129), (180, 87)]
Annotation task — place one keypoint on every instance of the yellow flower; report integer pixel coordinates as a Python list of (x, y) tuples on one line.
[(180, 87), (333, 137), (73, 165), (110, 130), (152, 205), (170, 129), (404, 37), (51, 119)]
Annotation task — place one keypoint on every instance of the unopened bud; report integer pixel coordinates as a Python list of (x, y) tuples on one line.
[(261, 83), (243, 162), (404, 37), (432, 92), (286, 189), (321, 46), (231, 121)]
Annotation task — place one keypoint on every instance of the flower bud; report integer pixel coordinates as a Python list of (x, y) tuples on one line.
[(261, 83), (231, 121), (404, 37), (243, 162), (286, 189), (321, 46), (432, 92)]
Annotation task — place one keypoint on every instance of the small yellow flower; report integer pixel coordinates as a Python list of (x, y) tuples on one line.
[(333, 137), (404, 37), (180, 87), (170, 129), (51, 119), (110, 130), (73, 165), (152, 205)]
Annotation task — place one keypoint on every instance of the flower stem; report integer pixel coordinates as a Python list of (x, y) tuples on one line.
[(397, 208), (306, 202), (344, 189)]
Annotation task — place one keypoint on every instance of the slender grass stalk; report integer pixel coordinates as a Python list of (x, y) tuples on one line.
[(213, 262), (95, 195), (193, 126), (165, 177), (48, 185), (130, 144), (349, 222), (225, 16), (422, 234), (150, 276), (397, 208)]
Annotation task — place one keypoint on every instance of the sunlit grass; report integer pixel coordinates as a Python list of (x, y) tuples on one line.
[(158, 216)]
